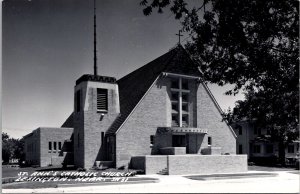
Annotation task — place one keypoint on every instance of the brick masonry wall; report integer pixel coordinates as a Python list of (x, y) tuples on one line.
[(65, 157), (206, 164), (133, 139), (32, 155), (89, 123), (48, 134), (151, 164), (208, 117), (155, 164), (78, 120), (78, 143), (155, 111)]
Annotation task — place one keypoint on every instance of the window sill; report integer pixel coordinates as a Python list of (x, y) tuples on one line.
[(102, 111)]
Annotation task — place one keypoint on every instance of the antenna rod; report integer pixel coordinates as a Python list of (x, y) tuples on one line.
[(95, 41)]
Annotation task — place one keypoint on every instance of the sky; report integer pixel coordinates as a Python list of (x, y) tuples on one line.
[(48, 44)]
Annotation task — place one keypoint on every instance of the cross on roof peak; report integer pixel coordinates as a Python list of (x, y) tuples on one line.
[(179, 34)]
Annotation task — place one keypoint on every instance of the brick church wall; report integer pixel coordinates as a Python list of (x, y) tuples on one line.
[(40, 154), (48, 134), (32, 147), (209, 117), (154, 110), (133, 138)]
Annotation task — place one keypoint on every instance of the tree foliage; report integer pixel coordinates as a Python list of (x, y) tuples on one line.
[(11, 148), (253, 45)]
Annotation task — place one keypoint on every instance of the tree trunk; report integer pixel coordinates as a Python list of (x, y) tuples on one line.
[(281, 150)]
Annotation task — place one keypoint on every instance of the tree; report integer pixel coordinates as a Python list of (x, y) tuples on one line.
[(253, 45), (12, 148), (6, 148)]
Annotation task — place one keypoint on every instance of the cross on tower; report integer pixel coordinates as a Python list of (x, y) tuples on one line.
[(179, 36)]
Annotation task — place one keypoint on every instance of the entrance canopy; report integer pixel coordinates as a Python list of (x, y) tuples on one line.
[(181, 130)]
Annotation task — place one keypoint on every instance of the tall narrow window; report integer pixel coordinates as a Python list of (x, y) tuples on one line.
[(101, 100), (54, 146), (151, 139), (50, 146), (180, 101), (102, 138), (78, 101), (209, 140), (59, 146)]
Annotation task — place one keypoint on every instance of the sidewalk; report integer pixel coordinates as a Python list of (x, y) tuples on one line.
[(284, 182)]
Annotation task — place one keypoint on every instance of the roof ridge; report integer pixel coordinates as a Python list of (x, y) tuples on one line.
[(125, 86), (140, 68)]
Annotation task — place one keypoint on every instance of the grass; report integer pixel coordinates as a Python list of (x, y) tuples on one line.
[(13, 172)]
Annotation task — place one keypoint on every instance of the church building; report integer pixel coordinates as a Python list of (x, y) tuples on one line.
[(161, 110)]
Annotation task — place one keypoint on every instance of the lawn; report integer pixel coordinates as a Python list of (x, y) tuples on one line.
[(13, 171)]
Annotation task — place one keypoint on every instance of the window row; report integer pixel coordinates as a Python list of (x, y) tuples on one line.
[(54, 146), (256, 131)]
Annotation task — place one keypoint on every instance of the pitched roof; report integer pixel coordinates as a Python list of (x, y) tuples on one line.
[(133, 86)]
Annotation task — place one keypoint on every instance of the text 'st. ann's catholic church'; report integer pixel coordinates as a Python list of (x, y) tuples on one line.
[(161, 118)]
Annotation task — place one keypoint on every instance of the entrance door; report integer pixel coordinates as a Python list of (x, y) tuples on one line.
[(179, 140), (111, 148)]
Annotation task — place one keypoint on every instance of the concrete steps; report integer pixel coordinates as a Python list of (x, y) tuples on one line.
[(104, 164), (163, 171)]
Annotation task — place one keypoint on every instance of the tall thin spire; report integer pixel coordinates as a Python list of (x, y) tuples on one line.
[(95, 41)]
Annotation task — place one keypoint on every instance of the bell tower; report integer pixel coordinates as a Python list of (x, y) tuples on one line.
[(96, 106)]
